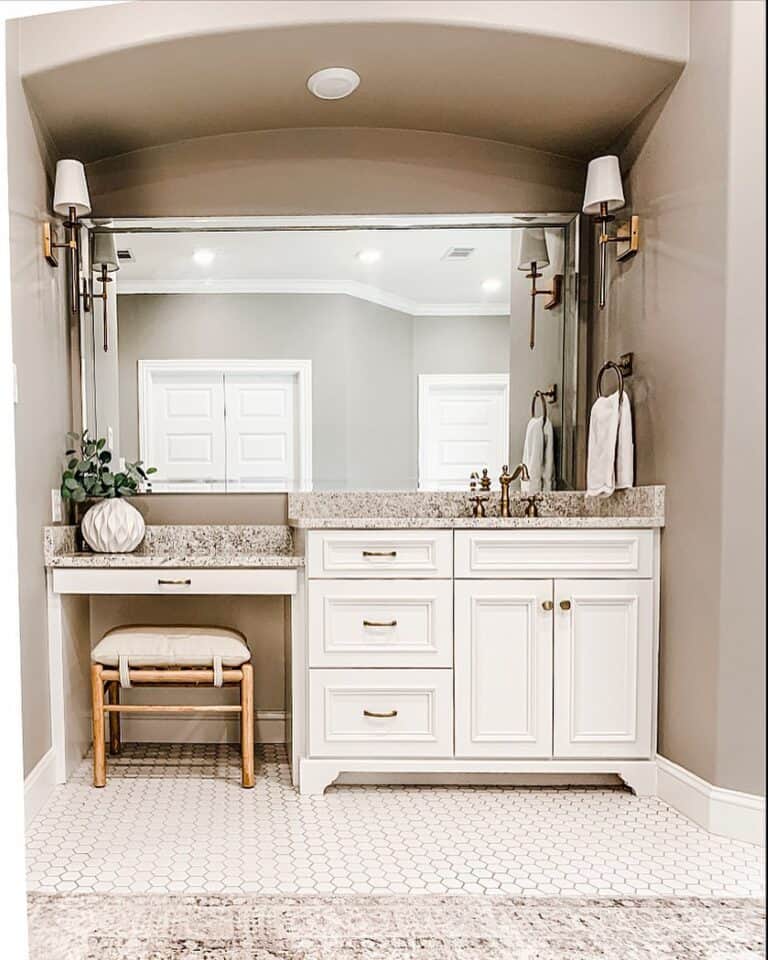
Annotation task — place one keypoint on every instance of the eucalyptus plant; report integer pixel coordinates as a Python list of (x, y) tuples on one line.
[(88, 474)]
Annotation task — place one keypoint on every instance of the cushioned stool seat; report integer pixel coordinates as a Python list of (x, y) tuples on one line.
[(172, 646), (168, 656)]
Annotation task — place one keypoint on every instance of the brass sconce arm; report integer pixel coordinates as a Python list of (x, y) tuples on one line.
[(71, 226), (627, 234), (555, 294)]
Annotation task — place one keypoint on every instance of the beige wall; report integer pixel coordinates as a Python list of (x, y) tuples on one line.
[(43, 413), (694, 178)]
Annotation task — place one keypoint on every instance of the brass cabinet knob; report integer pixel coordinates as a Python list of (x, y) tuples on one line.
[(548, 605), (565, 604)]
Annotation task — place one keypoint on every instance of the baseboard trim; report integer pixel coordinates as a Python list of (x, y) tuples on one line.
[(39, 785), (269, 728), (739, 816)]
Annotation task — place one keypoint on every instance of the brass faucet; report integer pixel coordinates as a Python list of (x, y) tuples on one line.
[(521, 470)]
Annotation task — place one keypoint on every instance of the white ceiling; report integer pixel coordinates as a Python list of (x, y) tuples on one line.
[(412, 274)]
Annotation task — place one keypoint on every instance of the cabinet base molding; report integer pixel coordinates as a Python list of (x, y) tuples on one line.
[(316, 775), (739, 816)]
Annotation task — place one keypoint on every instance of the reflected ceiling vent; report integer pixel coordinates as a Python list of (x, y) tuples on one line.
[(458, 253), (126, 256)]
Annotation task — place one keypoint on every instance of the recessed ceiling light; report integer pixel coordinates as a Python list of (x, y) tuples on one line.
[(369, 256), (333, 83), (203, 258), (491, 285)]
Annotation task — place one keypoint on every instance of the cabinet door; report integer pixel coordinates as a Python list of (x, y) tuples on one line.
[(503, 668), (603, 668)]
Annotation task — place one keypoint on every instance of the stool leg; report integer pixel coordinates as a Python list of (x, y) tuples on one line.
[(246, 724), (114, 718), (97, 698)]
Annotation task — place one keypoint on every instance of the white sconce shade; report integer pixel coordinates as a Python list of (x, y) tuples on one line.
[(533, 249), (104, 253), (555, 241), (71, 189), (603, 185)]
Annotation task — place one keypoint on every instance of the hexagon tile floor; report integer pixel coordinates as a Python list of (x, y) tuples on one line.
[(174, 819)]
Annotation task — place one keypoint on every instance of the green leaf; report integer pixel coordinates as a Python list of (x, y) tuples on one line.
[(100, 443), (65, 494), (108, 479), (78, 495), (126, 491), (72, 464), (71, 484), (105, 456), (151, 470)]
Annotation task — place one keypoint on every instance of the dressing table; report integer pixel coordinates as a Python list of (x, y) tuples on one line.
[(172, 561)]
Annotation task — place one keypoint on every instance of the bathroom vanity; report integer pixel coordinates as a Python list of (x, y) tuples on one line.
[(422, 642), (450, 645)]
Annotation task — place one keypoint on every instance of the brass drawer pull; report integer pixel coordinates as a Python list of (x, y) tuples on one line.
[(565, 604), (383, 716), (379, 623), (379, 553), (174, 583), (548, 605)]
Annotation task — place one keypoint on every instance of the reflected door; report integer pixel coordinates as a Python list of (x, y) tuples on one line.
[(463, 426), (182, 428), (261, 431)]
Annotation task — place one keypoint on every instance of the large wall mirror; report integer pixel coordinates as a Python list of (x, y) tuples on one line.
[(346, 353)]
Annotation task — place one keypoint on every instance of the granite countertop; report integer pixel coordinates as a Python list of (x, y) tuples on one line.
[(473, 523), (637, 507), (190, 546)]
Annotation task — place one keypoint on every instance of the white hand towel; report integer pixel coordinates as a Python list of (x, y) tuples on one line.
[(538, 455), (625, 449), (610, 455)]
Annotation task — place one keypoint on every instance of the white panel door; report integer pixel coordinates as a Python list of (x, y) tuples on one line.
[(503, 668), (261, 430), (463, 426), (182, 429), (604, 653)]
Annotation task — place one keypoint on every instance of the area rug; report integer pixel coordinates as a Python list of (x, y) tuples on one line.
[(139, 927)]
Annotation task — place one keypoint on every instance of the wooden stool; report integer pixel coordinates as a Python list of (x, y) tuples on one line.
[(172, 657)]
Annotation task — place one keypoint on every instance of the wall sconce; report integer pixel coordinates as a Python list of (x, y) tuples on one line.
[(103, 262), (70, 200), (534, 254), (604, 194)]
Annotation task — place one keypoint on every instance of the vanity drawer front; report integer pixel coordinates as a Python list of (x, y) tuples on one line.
[(380, 553), (381, 713), (165, 581), (554, 553), (380, 623)]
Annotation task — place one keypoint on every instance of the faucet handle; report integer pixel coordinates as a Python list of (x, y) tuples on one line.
[(485, 481)]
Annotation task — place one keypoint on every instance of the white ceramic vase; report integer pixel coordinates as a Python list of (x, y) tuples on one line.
[(113, 526)]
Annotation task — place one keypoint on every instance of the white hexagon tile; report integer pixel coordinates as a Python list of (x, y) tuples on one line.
[(174, 819)]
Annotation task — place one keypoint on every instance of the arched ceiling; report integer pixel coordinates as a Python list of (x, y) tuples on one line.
[(537, 90)]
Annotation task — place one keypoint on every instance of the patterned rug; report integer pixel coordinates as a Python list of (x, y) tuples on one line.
[(139, 927)]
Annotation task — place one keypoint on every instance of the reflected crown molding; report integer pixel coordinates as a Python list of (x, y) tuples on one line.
[(350, 288)]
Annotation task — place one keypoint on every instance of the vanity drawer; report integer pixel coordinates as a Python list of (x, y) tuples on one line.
[(165, 581), (381, 713), (380, 623), (380, 553), (554, 553)]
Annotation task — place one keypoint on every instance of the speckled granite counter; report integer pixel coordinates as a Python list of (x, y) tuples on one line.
[(193, 546), (638, 507)]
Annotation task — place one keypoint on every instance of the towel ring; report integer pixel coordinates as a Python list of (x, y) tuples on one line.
[(610, 365), (539, 396)]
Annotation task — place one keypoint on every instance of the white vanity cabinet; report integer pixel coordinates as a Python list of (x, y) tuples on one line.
[(603, 668), (481, 651), (503, 673)]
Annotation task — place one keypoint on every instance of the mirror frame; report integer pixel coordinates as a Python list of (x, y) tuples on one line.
[(573, 393)]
